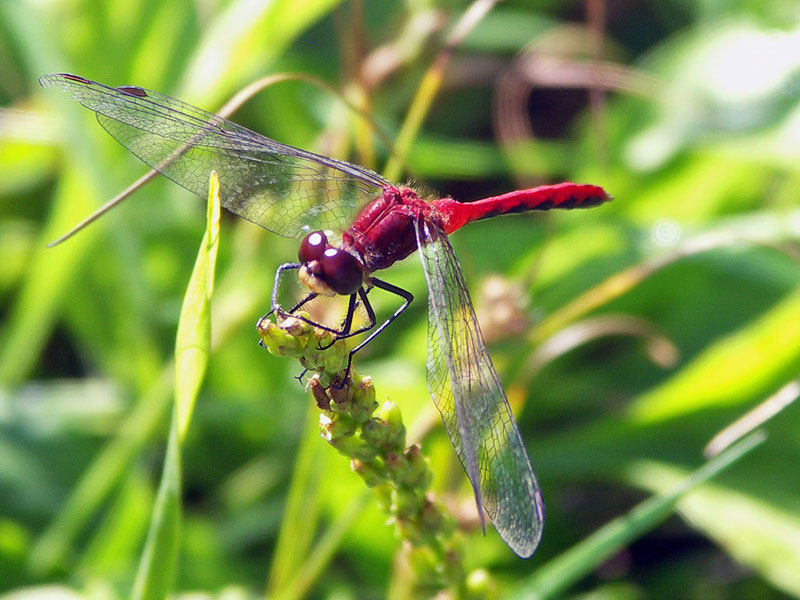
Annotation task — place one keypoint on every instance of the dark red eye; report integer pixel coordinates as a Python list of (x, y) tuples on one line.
[(342, 272), (312, 246)]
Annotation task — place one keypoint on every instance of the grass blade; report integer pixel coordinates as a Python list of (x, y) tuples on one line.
[(301, 515), (557, 575), (754, 529), (194, 328), (193, 341)]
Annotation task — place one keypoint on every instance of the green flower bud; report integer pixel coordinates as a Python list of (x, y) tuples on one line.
[(418, 472), (339, 406), (366, 452), (431, 517), (405, 503), (396, 464), (278, 341), (390, 413), (372, 473), (383, 496), (363, 398), (387, 433), (408, 530), (479, 585), (423, 560), (333, 427)]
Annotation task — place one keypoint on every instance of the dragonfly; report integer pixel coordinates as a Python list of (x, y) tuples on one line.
[(352, 222)]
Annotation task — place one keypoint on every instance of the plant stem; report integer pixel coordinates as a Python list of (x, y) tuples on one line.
[(373, 437)]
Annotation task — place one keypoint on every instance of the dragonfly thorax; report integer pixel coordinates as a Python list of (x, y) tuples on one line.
[(327, 270)]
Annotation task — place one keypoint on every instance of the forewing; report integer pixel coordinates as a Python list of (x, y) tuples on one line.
[(278, 187), (476, 414)]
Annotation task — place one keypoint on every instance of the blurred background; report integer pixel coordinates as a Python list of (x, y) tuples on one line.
[(627, 336)]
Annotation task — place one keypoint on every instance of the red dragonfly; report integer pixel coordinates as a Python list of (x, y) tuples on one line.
[(306, 196)]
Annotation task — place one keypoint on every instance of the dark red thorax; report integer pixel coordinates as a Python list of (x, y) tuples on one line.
[(383, 232)]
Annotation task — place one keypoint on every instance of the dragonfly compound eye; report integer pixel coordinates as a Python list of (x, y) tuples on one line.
[(341, 271), (312, 246)]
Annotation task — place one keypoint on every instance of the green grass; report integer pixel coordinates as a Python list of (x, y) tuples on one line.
[(154, 578), (644, 326)]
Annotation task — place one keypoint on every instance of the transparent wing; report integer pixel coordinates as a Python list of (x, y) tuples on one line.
[(476, 414), (280, 188)]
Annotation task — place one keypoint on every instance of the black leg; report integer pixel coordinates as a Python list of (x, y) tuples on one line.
[(309, 297), (405, 294), (348, 320), (347, 324), (345, 330), (338, 333), (275, 306)]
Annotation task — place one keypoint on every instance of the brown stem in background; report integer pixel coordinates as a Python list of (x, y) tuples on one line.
[(753, 418), (431, 84), (660, 349), (550, 62), (596, 17)]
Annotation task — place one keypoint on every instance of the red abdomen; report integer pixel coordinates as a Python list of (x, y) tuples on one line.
[(562, 195)]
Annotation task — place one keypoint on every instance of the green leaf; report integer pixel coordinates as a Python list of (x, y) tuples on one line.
[(194, 328), (557, 575), (234, 49), (744, 365), (157, 567), (32, 316), (764, 537)]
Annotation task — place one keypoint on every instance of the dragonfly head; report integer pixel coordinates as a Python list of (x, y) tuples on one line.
[(328, 270)]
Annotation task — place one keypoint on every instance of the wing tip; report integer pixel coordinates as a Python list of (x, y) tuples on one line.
[(525, 543), (55, 79), (48, 80)]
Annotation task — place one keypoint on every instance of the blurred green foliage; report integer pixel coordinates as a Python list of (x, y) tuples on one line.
[(643, 327)]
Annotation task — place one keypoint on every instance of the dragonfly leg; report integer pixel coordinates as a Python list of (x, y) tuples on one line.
[(346, 330), (277, 309), (346, 325), (348, 322), (309, 297), (407, 296)]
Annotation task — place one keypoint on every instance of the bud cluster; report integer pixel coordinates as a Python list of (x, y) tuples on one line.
[(373, 436)]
